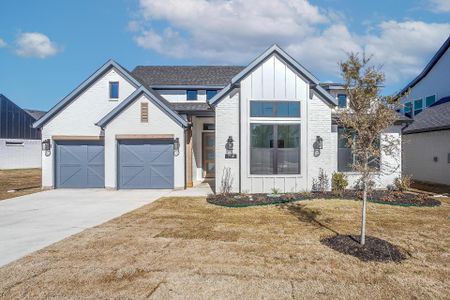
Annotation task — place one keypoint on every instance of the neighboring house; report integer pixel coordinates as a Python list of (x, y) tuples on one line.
[(263, 126), (20, 144), (426, 143)]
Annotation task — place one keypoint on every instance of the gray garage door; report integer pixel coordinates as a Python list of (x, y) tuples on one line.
[(80, 164), (145, 164)]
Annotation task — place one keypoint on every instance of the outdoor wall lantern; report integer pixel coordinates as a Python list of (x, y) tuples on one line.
[(318, 145), (176, 147), (46, 146), (229, 148)]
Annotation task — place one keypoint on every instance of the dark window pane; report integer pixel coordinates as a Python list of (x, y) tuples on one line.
[(191, 94), (210, 94), (262, 136), (261, 152), (346, 157), (282, 109), (208, 126), (430, 100), (267, 109), (342, 100), (113, 90), (282, 157), (294, 109), (255, 108)]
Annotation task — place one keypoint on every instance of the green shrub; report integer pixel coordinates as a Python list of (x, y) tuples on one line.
[(403, 183), (275, 191), (339, 182)]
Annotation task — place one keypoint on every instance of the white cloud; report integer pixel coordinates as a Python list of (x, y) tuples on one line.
[(234, 31), (440, 6), (35, 44), (2, 43), (402, 48)]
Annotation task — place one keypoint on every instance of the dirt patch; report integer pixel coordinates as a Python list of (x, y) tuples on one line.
[(21, 181), (431, 187), (374, 249), (378, 196)]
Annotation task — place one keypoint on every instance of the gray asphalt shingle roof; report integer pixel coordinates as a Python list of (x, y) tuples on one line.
[(436, 117), (151, 76), (36, 114), (191, 107)]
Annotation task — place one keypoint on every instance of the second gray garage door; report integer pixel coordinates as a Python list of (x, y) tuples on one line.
[(145, 164)]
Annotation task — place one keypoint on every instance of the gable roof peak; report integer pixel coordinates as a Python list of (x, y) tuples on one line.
[(313, 81)]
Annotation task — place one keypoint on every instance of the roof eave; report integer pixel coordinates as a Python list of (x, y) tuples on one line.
[(141, 90)]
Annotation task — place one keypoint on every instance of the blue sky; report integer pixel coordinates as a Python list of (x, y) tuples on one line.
[(48, 47)]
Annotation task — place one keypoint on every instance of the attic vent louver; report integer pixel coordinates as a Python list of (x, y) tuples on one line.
[(144, 112)]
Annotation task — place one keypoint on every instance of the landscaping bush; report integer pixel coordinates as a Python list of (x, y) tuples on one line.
[(339, 182), (403, 183), (321, 184)]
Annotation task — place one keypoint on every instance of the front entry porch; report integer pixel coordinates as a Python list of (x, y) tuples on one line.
[(200, 152)]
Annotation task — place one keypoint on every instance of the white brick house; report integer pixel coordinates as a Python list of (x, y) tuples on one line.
[(171, 127)]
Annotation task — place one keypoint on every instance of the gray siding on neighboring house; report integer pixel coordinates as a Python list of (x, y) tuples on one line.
[(426, 156)]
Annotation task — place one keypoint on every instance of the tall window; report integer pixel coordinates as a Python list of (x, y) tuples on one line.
[(210, 94), (113, 90), (342, 100), (417, 106), (408, 109), (287, 109), (430, 100), (274, 149), (191, 95), (346, 157)]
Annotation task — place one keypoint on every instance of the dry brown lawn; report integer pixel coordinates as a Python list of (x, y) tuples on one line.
[(25, 181), (187, 248)]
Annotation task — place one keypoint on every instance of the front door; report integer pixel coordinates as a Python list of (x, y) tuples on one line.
[(209, 164)]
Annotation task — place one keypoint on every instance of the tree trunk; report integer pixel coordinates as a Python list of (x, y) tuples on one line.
[(363, 219)]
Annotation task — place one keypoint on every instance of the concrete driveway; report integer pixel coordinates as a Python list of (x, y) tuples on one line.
[(29, 223)]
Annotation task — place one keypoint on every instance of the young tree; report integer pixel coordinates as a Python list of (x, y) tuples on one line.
[(367, 116)]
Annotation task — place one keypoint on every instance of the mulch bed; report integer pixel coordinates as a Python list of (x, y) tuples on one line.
[(374, 249), (377, 196)]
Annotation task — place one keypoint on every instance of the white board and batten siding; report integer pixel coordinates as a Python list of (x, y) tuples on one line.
[(273, 80), (80, 116)]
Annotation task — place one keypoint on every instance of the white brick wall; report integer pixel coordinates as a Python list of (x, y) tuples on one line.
[(319, 124), (227, 124)]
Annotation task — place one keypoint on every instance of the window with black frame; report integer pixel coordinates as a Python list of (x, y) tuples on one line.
[(282, 109), (346, 157), (274, 149)]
